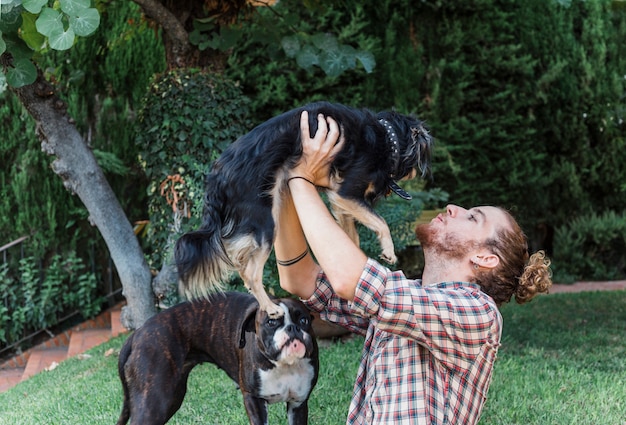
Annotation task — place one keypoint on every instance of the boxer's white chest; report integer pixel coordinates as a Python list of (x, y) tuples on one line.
[(287, 382)]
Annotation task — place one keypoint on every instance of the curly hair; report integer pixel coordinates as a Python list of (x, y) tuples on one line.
[(517, 273)]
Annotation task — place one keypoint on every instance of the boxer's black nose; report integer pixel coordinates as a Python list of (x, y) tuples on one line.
[(291, 328)]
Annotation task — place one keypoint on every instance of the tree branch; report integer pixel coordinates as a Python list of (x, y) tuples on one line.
[(173, 29)]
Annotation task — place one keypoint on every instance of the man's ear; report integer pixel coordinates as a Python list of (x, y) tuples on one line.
[(486, 260)]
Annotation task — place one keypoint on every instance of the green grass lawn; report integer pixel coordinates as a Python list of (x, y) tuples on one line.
[(563, 361)]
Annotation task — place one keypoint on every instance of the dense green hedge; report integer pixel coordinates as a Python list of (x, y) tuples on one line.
[(187, 119), (591, 247)]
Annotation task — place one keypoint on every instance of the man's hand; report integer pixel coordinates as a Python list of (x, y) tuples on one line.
[(318, 152)]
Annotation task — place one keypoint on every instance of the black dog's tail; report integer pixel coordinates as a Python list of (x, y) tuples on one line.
[(201, 259), (123, 358)]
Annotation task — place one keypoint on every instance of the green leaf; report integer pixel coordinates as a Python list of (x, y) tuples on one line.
[(325, 41), (62, 40), (367, 60), (333, 62), (17, 47), (73, 7), (196, 37), (348, 55), (86, 22), (230, 37), (213, 42), (34, 6), (3, 45), (291, 45), (11, 21), (22, 73), (29, 32), (307, 57), (49, 21)]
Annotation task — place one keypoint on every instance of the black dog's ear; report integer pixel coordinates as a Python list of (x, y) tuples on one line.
[(248, 324)]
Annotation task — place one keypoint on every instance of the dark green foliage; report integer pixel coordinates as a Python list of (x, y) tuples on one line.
[(102, 79), (580, 94), (188, 118), (480, 106), (525, 100), (31, 299), (396, 29), (276, 83), (591, 247), (32, 199)]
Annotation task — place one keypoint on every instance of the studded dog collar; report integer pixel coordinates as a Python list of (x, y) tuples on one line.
[(392, 137)]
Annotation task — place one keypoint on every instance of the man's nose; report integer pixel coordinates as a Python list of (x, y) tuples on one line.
[(454, 210)]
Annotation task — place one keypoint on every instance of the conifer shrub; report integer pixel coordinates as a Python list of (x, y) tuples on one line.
[(591, 247)]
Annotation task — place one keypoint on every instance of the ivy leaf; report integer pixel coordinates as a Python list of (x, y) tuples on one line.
[(22, 73), (49, 21), (34, 6), (62, 40), (86, 22), (73, 7), (29, 32)]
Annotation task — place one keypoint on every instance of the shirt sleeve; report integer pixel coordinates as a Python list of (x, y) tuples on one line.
[(335, 309), (453, 321)]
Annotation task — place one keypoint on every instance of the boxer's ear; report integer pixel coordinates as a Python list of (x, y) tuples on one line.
[(248, 324)]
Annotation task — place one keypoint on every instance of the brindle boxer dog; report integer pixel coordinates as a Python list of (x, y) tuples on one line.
[(272, 360)]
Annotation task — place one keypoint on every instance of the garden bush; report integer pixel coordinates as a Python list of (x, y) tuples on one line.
[(32, 299), (591, 247), (188, 118)]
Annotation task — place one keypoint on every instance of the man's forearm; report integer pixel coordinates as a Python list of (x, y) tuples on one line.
[(339, 257), (297, 278)]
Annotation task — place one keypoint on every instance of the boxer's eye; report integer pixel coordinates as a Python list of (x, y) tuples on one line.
[(304, 321), (272, 323)]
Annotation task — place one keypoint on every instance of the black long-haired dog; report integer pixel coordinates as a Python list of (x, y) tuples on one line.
[(244, 188)]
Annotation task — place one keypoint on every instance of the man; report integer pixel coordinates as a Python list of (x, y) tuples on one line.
[(430, 345)]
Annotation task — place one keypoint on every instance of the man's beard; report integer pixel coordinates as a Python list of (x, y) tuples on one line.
[(450, 246)]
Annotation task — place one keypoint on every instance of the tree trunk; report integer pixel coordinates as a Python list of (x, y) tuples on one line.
[(77, 166)]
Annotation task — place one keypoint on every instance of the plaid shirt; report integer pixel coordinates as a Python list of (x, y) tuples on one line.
[(429, 350)]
